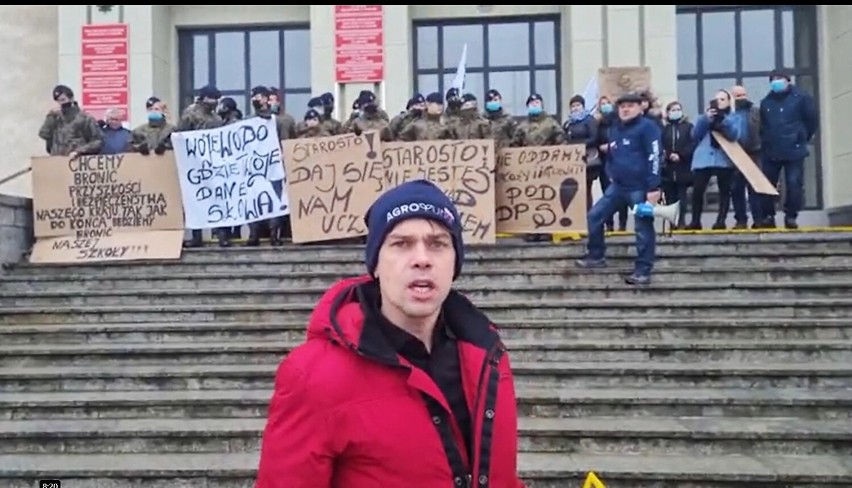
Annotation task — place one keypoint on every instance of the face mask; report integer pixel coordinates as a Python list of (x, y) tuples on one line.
[(257, 104), (606, 108), (327, 110), (356, 113), (534, 110), (67, 105), (778, 86), (371, 108), (675, 115), (493, 106), (417, 112), (577, 116), (454, 103), (274, 108), (155, 116), (741, 103)]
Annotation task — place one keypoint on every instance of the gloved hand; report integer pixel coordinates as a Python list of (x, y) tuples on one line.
[(160, 149), (143, 149)]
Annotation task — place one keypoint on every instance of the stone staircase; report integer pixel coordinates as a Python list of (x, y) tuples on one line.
[(734, 369)]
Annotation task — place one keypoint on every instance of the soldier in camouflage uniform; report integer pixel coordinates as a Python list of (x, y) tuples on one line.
[(540, 129), (199, 116), (324, 105), (430, 127), (452, 112), (285, 120), (228, 111), (353, 115), (413, 111), (471, 125), (67, 130), (312, 125), (370, 118), (502, 124), (155, 134)]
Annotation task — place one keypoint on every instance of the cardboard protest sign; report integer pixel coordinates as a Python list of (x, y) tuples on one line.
[(106, 208), (332, 181), (231, 175), (616, 81), (464, 169), (744, 163), (541, 189)]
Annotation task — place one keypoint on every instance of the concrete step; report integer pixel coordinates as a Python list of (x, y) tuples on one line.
[(245, 352), (495, 290), (538, 470), (588, 435), (615, 329), (720, 258), (529, 374), (551, 402), (506, 311), (554, 273)]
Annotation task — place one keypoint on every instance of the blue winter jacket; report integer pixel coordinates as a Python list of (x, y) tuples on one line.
[(707, 154), (788, 122), (633, 162)]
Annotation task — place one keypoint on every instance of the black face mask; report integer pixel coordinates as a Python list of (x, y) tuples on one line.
[(257, 104), (454, 103), (371, 108), (742, 103), (327, 110), (417, 112), (67, 106)]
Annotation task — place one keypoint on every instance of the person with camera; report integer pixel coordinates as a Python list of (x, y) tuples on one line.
[(710, 160)]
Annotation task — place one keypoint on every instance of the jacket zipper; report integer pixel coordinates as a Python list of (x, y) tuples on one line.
[(480, 386)]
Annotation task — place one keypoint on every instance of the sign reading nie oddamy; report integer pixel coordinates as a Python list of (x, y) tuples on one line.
[(464, 169), (541, 189), (231, 175), (106, 208), (332, 181)]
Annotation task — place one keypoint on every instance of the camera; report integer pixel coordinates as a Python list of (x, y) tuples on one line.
[(714, 104)]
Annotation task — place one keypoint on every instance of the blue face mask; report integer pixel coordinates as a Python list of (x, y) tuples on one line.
[(778, 85), (606, 108), (534, 110), (274, 108), (156, 116), (675, 115), (493, 106), (577, 116)]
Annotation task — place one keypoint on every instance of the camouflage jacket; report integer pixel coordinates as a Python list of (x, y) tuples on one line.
[(71, 131), (427, 128), (306, 132), (401, 121), (198, 117), (503, 128), (372, 123), (538, 130), (471, 125), (152, 134)]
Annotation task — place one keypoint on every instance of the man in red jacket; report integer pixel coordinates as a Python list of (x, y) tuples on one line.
[(402, 381)]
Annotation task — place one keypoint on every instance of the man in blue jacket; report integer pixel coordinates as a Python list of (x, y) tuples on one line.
[(788, 122), (633, 163)]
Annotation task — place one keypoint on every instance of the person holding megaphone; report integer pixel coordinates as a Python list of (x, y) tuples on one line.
[(634, 167)]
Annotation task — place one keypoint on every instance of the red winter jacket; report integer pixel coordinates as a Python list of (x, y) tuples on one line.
[(348, 412)]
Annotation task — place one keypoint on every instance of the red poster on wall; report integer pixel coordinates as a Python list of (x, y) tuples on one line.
[(359, 43), (105, 69)]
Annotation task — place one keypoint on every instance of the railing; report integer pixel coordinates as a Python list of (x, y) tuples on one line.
[(15, 175)]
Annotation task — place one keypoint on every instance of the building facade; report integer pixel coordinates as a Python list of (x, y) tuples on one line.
[(553, 50)]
